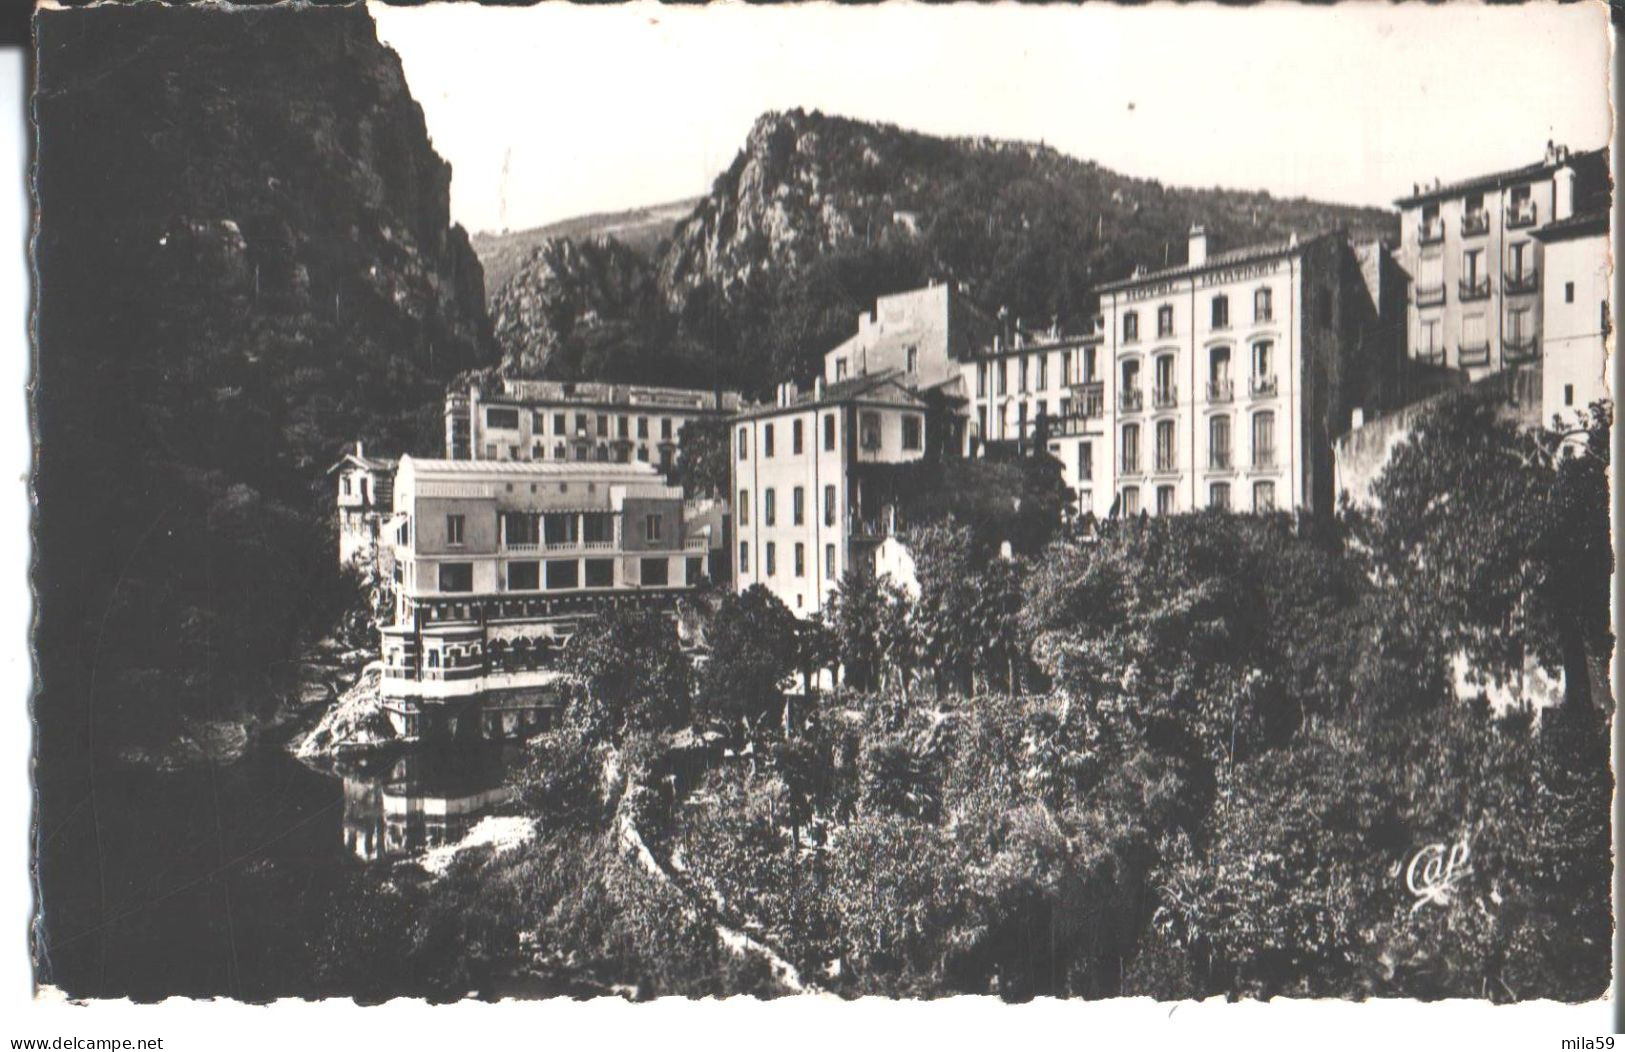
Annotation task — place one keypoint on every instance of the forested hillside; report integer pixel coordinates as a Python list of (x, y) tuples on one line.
[(817, 215), (245, 261)]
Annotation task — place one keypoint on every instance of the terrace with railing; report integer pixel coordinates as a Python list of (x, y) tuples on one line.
[(1475, 223)]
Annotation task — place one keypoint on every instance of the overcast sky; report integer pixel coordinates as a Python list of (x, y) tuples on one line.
[(559, 110)]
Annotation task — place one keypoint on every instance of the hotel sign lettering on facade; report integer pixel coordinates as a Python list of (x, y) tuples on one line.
[(1226, 276)]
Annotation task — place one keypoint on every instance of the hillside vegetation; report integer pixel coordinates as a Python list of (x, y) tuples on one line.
[(817, 215), (235, 283)]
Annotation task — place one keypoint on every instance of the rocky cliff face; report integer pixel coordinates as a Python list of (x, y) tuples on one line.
[(1029, 227), (245, 261), (565, 289), (817, 215)]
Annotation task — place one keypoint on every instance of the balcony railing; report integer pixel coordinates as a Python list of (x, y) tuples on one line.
[(1263, 316), (1475, 223), (1091, 398), (1263, 386), (1478, 354), (1218, 459), (1521, 214), (1131, 399), (1519, 350), (1431, 231), (521, 546), (1429, 295), (1264, 458), (1521, 284), (1220, 390), (1469, 289), (1431, 357), (1165, 397), (696, 543)]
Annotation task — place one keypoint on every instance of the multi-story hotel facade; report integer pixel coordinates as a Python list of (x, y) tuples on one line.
[(1576, 323), (808, 505), (537, 420), (1226, 378), (1475, 259), (495, 562), (1025, 388)]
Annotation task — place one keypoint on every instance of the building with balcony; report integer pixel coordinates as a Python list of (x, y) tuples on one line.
[(1575, 322), (1474, 256), (1028, 390), (536, 420), (495, 562), (810, 480), (365, 499), (1228, 376)]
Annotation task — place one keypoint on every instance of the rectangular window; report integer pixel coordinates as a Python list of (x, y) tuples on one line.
[(1473, 332), (829, 505), (1165, 500), (1263, 440), (344, 484), (693, 570), (524, 577), (981, 379), (1131, 449), (1004, 376), (869, 431), (456, 577), (1568, 394), (1263, 310), (1086, 462), (1221, 312), (559, 427), (801, 559), (769, 507), (912, 356), (581, 423), (829, 562), (454, 529), (1165, 445), (840, 369), (1131, 327), (1066, 368), (1263, 496), (795, 437), (742, 443), (600, 573), (1568, 292), (1043, 372), (507, 419), (744, 558), (1218, 442), (744, 507), (829, 432), (603, 425), (1218, 496), (490, 451), (798, 506), (651, 527), (1022, 372), (767, 440), (623, 427), (563, 573), (911, 433), (769, 560), (1131, 500), (536, 422), (654, 573), (643, 427), (1165, 321)]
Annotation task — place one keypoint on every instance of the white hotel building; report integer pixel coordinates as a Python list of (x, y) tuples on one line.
[(1229, 376), (495, 562)]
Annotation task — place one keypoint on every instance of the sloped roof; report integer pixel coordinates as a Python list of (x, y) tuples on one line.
[(865, 388), (1584, 224), (380, 464), (1506, 177), (634, 471)]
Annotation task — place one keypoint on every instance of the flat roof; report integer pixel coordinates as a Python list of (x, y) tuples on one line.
[(634, 471)]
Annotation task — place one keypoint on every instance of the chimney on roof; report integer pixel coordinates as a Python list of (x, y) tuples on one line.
[(1551, 152), (818, 388), (358, 452), (1197, 255), (1563, 192)]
